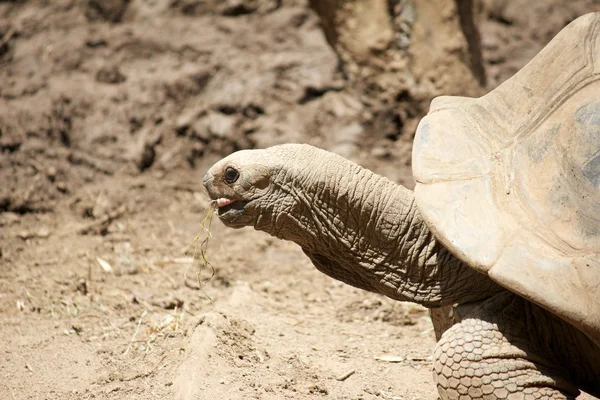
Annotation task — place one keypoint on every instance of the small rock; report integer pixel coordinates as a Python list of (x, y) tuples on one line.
[(10, 144), (220, 125), (317, 389), (51, 173), (173, 157), (43, 232), (146, 157), (9, 218), (380, 152), (341, 105), (111, 75), (40, 233), (183, 123), (108, 10), (94, 42), (82, 287), (168, 303), (62, 187), (233, 8), (351, 133)]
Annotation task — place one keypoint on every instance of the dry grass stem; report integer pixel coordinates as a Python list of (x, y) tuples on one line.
[(197, 249), (137, 329)]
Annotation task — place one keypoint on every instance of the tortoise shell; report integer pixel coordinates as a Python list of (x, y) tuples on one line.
[(509, 182)]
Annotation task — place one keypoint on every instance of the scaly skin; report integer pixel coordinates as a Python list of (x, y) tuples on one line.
[(509, 348), (365, 230)]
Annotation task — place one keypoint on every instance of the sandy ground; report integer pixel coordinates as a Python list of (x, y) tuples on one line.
[(110, 112)]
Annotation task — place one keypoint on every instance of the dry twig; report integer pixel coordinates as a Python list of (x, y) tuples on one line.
[(346, 375)]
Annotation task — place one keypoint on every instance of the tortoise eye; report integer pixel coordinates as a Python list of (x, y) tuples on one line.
[(231, 175)]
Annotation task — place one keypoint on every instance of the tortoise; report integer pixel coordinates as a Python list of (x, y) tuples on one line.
[(503, 225)]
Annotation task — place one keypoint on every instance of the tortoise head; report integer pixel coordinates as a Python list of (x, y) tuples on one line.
[(240, 185)]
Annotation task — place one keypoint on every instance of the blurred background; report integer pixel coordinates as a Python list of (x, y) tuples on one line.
[(111, 111)]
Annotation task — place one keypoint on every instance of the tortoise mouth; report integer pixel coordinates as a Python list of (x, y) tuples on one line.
[(232, 212), (227, 207)]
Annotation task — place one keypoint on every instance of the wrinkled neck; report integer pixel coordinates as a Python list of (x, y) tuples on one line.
[(365, 230)]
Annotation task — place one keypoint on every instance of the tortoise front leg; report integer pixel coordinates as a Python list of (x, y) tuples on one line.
[(509, 348)]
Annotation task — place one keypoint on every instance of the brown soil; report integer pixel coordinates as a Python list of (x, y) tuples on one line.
[(110, 112)]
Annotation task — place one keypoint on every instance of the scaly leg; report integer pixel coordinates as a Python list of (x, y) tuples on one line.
[(509, 348)]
